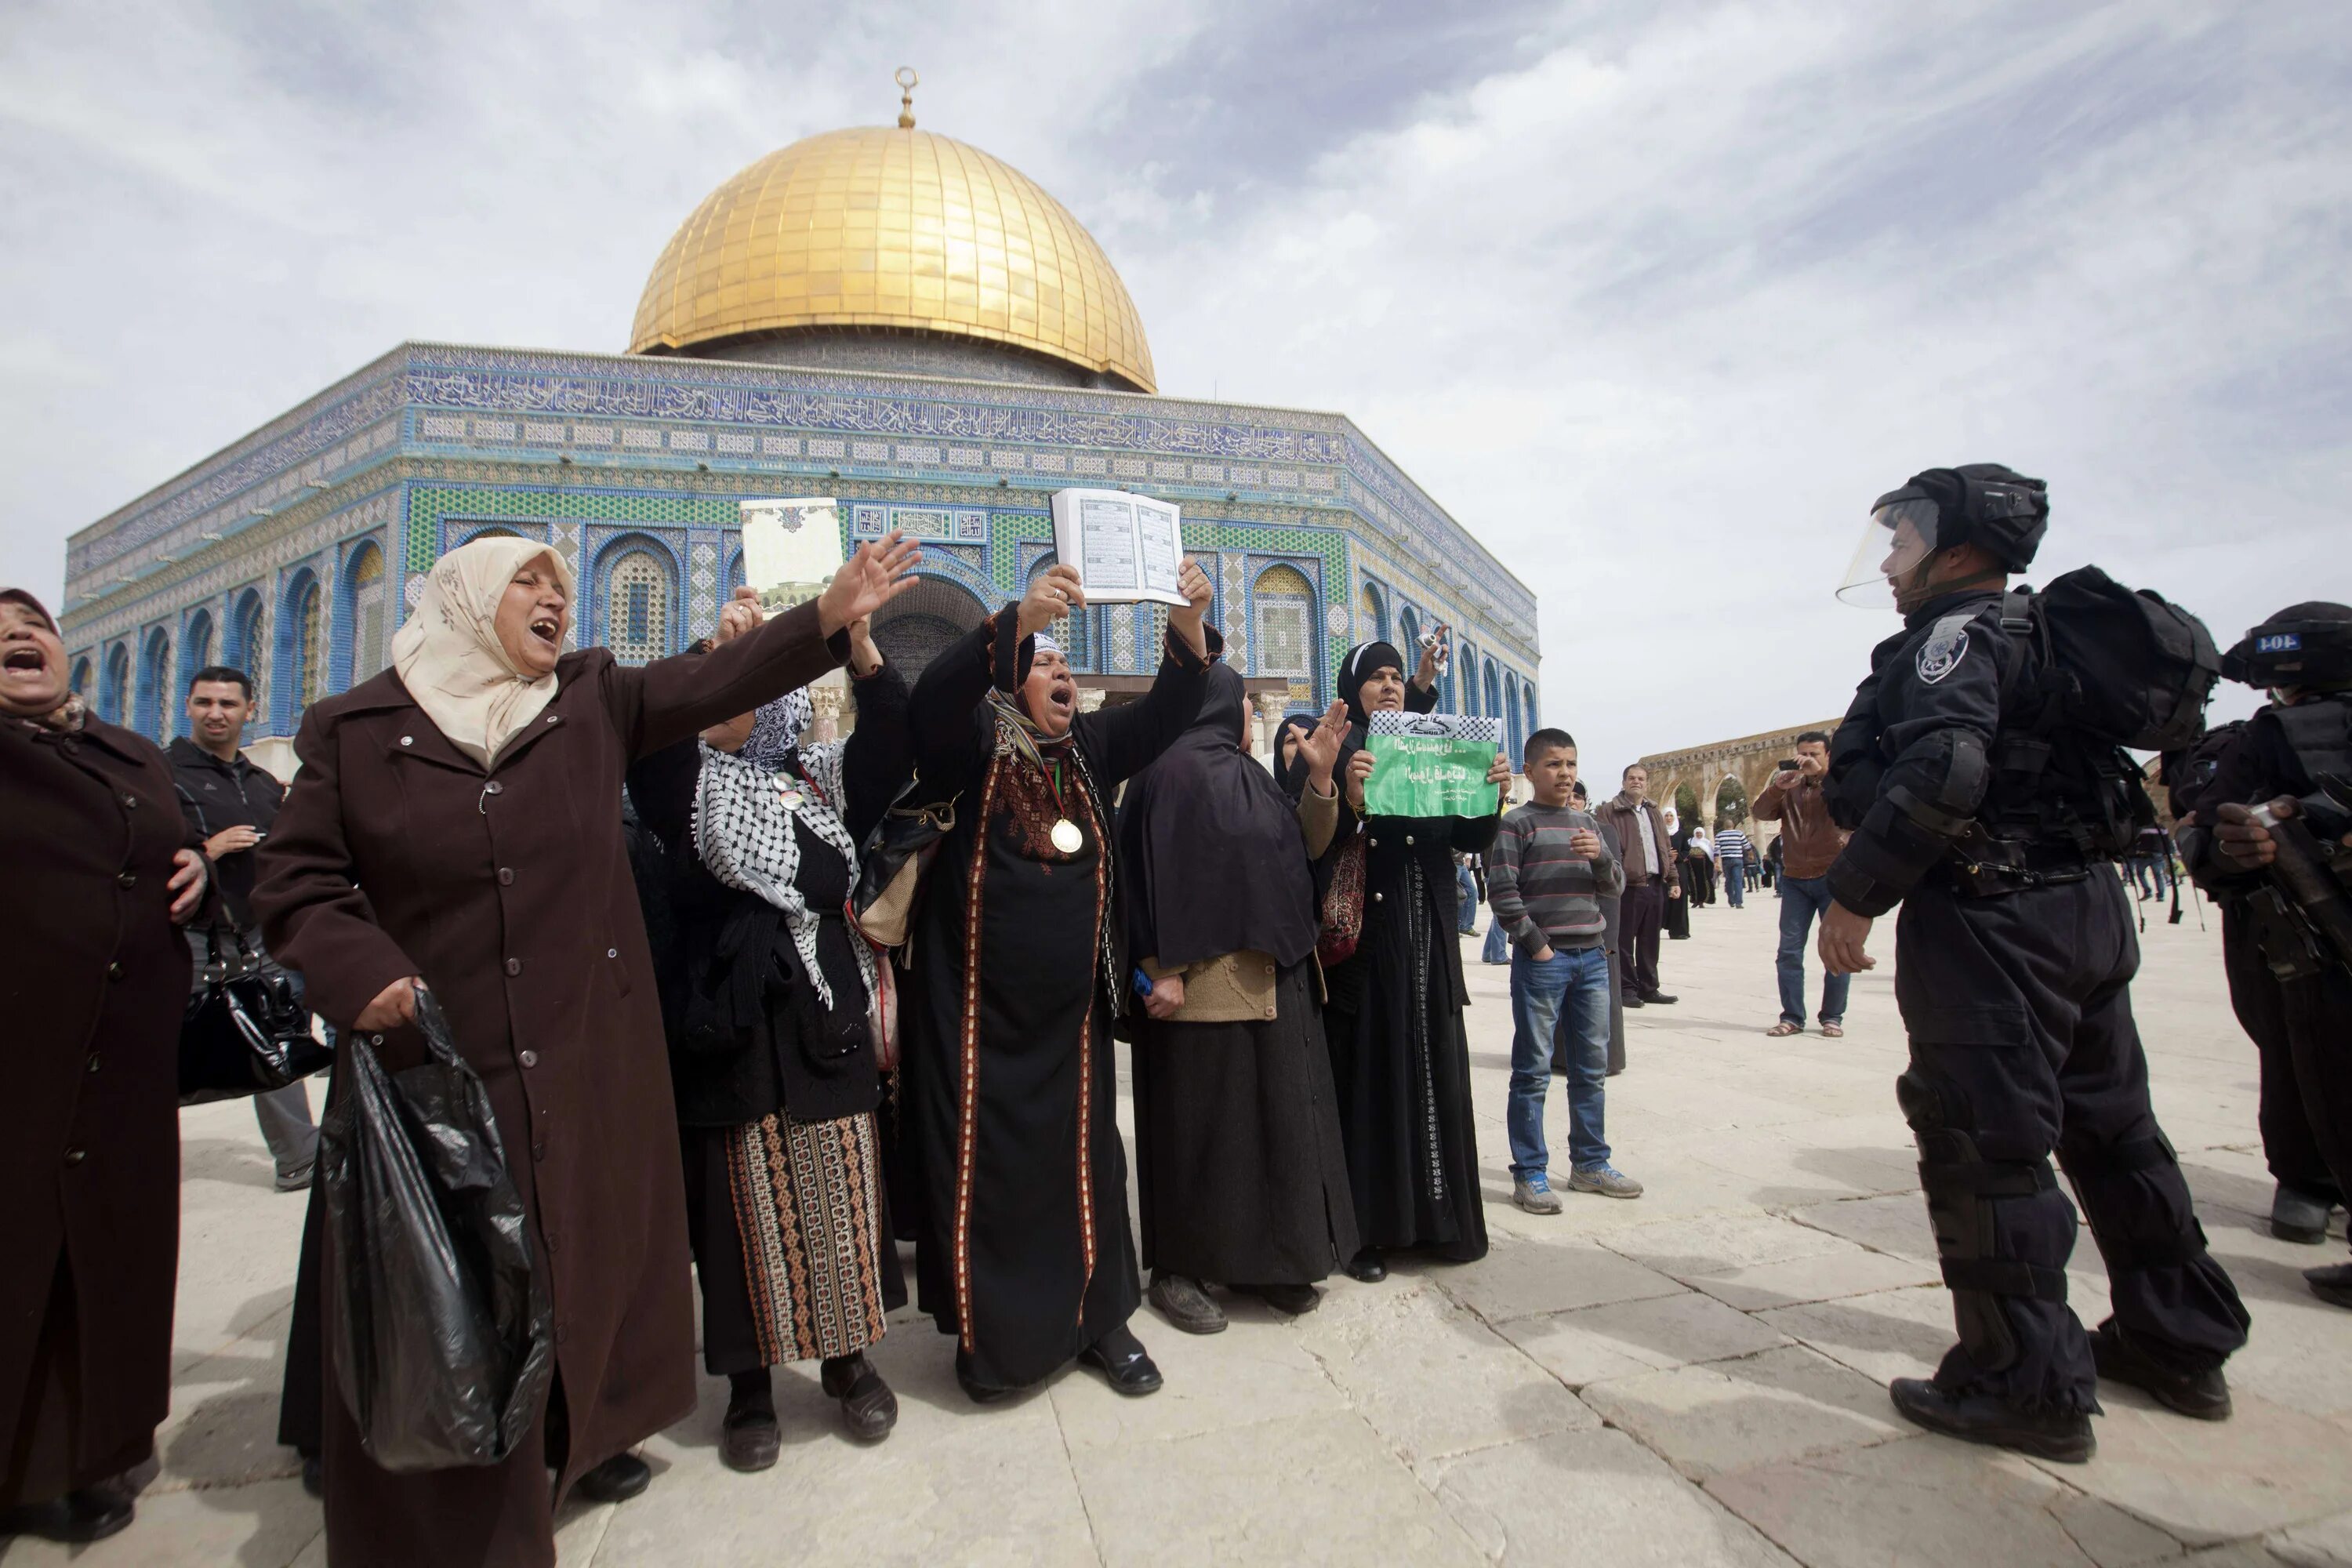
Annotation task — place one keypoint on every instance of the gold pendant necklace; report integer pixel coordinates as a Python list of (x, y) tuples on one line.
[(1066, 837)]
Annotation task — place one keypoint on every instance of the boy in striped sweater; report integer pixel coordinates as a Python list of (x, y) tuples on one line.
[(1546, 876)]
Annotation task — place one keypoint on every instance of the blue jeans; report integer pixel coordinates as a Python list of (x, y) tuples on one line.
[(1801, 898), (1735, 881), (1577, 980), (1499, 946), (1466, 899)]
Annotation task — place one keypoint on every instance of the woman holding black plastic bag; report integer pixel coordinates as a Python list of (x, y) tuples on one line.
[(101, 867), (1399, 1057), (472, 791), (767, 993)]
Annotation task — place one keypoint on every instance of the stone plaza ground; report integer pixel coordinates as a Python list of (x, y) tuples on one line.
[(1693, 1378)]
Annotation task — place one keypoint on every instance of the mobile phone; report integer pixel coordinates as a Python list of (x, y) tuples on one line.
[(1142, 983)]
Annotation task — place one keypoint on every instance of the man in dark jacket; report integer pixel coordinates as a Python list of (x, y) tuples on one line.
[(232, 803), (1651, 879)]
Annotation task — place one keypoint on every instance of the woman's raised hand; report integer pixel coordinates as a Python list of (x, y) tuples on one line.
[(1185, 623), (737, 615), (1320, 748), (1359, 768), (876, 574), (1054, 594)]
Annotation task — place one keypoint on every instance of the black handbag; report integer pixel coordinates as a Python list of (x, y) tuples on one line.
[(891, 864), (247, 1031)]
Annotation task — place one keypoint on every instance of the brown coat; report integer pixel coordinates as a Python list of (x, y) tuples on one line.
[(90, 1122), (1624, 820), (1809, 841), (510, 894)]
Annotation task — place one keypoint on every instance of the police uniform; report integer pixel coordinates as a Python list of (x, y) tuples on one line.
[(2283, 752), (2307, 1188), (2014, 989)]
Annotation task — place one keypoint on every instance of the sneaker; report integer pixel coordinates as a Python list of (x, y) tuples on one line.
[(295, 1180), (1534, 1195), (1608, 1183)]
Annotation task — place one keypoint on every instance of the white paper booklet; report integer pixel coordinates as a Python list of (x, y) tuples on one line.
[(1128, 549), (791, 549)]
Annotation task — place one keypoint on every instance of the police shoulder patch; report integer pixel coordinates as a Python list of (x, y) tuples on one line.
[(1945, 646)]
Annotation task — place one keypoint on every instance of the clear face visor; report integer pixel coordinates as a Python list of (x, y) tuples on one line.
[(1898, 537)]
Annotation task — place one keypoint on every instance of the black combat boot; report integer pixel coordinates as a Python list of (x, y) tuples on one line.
[(2062, 1436), (2203, 1395)]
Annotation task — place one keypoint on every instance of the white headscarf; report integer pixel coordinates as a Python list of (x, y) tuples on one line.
[(449, 654)]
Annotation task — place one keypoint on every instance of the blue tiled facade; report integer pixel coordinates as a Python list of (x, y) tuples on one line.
[(609, 457)]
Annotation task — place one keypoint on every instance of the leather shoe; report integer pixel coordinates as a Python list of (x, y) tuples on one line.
[(1367, 1267), (2298, 1216), (618, 1479), (2203, 1395), (750, 1441), (868, 1408), (1184, 1303), (1295, 1300), (1119, 1356), (2063, 1437), (88, 1513), (979, 1393), (2332, 1284), (1629, 1000), (1658, 999)]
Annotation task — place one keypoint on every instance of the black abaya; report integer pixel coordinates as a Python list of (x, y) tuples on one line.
[(1023, 1249), (1240, 1168), (1400, 1060)]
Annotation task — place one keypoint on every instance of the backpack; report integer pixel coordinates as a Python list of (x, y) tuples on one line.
[(2118, 667), (2115, 669)]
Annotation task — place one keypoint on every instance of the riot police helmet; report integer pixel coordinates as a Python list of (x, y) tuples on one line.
[(2306, 646), (1985, 504)]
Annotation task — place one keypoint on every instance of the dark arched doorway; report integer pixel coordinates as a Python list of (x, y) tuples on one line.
[(923, 622)]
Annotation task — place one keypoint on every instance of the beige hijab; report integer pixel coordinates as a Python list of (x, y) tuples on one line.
[(449, 654)]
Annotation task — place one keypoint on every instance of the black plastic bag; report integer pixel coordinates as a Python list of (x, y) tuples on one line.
[(246, 1032), (445, 1341)]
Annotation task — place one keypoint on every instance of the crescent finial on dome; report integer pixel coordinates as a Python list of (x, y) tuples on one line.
[(906, 78)]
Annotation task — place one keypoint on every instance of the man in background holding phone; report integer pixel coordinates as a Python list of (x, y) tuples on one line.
[(229, 800), (1810, 843)]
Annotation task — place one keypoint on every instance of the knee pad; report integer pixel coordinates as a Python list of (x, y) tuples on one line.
[(1963, 1189), (2133, 1230)]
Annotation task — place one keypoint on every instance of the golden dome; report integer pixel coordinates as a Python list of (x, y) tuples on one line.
[(892, 228)]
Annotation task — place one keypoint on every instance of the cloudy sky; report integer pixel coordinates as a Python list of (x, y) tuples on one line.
[(1654, 298)]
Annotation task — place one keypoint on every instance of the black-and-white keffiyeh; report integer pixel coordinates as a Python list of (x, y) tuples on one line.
[(744, 804)]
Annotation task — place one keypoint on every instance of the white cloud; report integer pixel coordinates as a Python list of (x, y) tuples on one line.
[(1654, 299)]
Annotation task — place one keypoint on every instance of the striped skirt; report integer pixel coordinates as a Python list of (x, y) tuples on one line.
[(808, 1213)]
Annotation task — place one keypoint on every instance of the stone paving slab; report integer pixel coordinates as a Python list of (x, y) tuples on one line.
[(1934, 1503), (1784, 1404), (1696, 1377), (1598, 1498)]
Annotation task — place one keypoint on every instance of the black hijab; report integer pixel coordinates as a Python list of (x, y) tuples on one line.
[(1218, 859), (1363, 659)]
